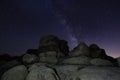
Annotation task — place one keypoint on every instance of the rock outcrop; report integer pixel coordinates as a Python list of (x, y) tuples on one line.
[(53, 61), (81, 50), (53, 43), (96, 52)]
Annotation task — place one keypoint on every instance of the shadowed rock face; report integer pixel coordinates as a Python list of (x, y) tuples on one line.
[(42, 73), (81, 60), (52, 43), (101, 62), (53, 61), (51, 57), (81, 50), (96, 52)]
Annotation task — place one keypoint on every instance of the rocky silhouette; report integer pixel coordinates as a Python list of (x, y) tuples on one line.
[(53, 61)]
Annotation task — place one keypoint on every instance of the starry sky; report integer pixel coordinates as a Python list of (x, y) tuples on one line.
[(23, 22)]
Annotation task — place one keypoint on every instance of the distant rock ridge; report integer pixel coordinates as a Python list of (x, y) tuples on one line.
[(53, 61)]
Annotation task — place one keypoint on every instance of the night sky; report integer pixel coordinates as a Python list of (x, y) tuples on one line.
[(23, 22)]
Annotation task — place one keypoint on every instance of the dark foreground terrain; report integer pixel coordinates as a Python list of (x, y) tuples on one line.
[(53, 61)]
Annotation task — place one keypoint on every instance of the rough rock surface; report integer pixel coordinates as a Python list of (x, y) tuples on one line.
[(53, 61), (81, 49), (42, 73), (36, 65), (101, 62), (81, 60), (96, 52), (51, 54), (53, 43), (51, 57), (65, 71), (15, 73), (99, 73), (8, 65)]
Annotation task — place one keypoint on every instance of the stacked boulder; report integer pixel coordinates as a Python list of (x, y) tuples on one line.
[(53, 43), (53, 61), (88, 55), (99, 56), (79, 55), (52, 49), (96, 52)]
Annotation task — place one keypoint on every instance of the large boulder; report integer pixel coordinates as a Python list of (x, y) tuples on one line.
[(42, 73), (51, 54), (99, 73), (65, 71), (49, 40), (15, 73), (81, 60), (30, 58), (8, 65), (96, 51), (113, 60), (101, 62), (36, 65), (50, 60), (51, 57), (94, 73), (53, 43), (81, 49)]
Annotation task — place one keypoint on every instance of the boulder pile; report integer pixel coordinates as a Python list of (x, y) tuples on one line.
[(53, 61)]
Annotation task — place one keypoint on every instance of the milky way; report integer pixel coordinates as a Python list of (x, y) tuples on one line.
[(63, 17), (23, 22)]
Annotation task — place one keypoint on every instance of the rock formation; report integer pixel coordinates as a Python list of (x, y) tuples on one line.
[(81, 50), (53, 43), (53, 61)]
